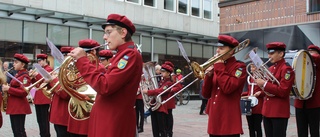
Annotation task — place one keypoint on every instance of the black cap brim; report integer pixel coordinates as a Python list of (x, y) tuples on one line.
[(104, 25)]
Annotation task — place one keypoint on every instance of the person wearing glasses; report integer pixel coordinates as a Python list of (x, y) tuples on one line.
[(113, 113)]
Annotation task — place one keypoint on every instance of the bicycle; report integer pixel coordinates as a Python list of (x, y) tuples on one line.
[(185, 97)]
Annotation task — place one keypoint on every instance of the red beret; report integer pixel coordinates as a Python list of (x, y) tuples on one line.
[(105, 54), (275, 46), (88, 43), (122, 21), (66, 49), (21, 58), (42, 56), (314, 47), (226, 40), (169, 63), (167, 67)]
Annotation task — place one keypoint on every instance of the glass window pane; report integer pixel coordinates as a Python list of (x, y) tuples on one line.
[(195, 8), (11, 30), (77, 34), (159, 46), (314, 5), (207, 9), (187, 48), (172, 48), (207, 51), (59, 35), (196, 50), (183, 6), (146, 44), (150, 3), (169, 5), (136, 39), (134, 1), (97, 35), (34, 33)]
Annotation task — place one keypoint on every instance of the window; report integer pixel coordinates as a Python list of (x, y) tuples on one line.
[(134, 1), (151, 3), (314, 5), (183, 6), (195, 8), (77, 34), (207, 9), (169, 5)]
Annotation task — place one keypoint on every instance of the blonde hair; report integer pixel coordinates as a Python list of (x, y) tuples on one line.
[(3, 77)]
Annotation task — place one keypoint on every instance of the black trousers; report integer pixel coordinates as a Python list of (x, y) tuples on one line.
[(169, 122), (275, 127), (254, 123), (203, 105), (308, 118), (236, 135), (42, 112), (140, 113), (158, 122), (61, 131), (17, 125)]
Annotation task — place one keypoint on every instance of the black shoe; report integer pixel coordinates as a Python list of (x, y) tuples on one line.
[(140, 130)]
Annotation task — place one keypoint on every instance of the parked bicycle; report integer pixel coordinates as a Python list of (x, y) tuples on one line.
[(185, 97)]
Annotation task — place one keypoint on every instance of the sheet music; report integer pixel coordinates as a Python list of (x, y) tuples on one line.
[(257, 61), (42, 72)]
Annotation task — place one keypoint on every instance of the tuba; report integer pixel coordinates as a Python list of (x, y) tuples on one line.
[(149, 81), (82, 95)]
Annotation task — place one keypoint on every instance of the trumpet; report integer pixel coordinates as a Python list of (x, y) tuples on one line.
[(199, 72), (27, 89), (32, 72)]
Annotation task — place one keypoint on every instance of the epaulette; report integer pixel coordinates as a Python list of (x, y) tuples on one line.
[(131, 47)]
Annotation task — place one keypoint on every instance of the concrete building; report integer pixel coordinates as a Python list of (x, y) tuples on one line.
[(25, 25)]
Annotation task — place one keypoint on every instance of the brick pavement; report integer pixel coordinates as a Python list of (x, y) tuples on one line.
[(187, 123)]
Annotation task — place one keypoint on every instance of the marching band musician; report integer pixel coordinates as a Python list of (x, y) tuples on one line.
[(223, 84), (105, 57), (254, 120), (276, 105), (117, 88), (18, 105), (59, 104), (41, 102), (159, 117), (308, 111), (75, 127)]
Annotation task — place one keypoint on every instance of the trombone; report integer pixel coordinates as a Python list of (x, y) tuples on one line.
[(198, 71)]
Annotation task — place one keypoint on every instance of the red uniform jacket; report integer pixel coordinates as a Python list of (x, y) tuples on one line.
[(224, 89), (314, 101), (17, 96), (113, 113), (278, 106), (258, 108), (59, 105), (163, 85), (39, 97), (171, 104)]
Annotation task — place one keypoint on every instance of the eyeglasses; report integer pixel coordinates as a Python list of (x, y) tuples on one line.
[(108, 32)]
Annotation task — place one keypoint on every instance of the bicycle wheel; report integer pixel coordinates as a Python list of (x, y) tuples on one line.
[(186, 97)]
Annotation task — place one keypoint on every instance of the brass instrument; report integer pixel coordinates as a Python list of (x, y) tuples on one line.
[(82, 95), (31, 73), (199, 72), (5, 93), (148, 81)]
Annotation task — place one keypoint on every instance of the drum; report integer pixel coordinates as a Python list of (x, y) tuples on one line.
[(245, 105), (305, 78)]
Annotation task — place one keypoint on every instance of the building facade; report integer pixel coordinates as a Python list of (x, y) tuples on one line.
[(26, 24)]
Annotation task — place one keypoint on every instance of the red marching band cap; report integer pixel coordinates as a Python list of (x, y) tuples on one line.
[(273, 46), (87, 44), (42, 56), (66, 49), (314, 47), (21, 58), (226, 40), (122, 21), (169, 63), (105, 54), (167, 66)]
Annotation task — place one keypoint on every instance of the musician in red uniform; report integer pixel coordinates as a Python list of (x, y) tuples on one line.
[(159, 116), (105, 57), (276, 105), (59, 104), (18, 105), (79, 128), (224, 85), (117, 88), (308, 111), (254, 120), (41, 102)]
